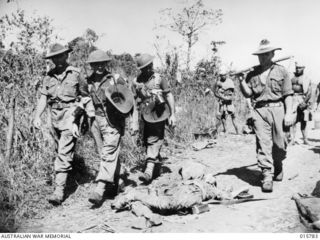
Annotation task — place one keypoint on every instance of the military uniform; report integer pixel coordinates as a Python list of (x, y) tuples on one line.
[(226, 107), (107, 128), (153, 132), (268, 91), (64, 93)]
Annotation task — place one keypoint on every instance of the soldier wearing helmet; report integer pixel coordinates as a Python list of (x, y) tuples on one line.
[(301, 86), (113, 101), (157, 108), (270, 89), (224, 91), (64, 90)]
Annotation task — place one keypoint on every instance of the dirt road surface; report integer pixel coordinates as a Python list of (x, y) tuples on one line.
[(233, 160)]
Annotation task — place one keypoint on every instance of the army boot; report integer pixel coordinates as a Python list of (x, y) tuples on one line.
[(267, 183), (96, 197), (278, 173), (147, 176), (57, 196)]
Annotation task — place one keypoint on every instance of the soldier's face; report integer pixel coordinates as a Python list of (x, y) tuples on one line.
[(98, 67), (60, 60), (148, 69), (223, 77), (299, 70), (265, 58)]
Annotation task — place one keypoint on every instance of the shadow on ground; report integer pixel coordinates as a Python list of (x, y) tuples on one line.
[(316, 149), (251, 176), (79, 175)]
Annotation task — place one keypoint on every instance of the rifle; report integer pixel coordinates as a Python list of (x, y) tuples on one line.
[(251, 68)]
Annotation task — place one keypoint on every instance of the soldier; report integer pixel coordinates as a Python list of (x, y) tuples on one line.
[(270, 88), (224, 91), (64, 91), (301, 86), (112, 101), (157, 107)]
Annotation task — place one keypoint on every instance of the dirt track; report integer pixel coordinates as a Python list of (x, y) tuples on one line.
[(233, 160)]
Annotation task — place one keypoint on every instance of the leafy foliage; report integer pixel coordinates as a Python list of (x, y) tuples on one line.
[(190, 22)]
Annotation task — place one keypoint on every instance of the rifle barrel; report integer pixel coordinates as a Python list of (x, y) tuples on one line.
[(251, 68)]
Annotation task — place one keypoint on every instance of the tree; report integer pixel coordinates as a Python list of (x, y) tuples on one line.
[(190, 22)]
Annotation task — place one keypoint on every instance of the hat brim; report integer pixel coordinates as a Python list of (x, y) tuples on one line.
[(147, 63), (120, 97), (64, 50), (149, 113), (262, 51), (103, 60)]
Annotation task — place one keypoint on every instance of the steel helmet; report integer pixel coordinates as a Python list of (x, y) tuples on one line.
[(144, 60), (56, 49), (98, 56)]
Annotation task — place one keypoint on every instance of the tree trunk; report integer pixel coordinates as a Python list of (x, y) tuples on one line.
[(189, 53), (10, 129)]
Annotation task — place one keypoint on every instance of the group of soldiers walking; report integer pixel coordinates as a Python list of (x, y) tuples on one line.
[(106, 99)]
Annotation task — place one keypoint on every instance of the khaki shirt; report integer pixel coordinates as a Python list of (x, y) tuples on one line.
[(274, 87), (66, 89)]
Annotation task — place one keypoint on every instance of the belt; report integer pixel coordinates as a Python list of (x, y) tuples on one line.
[(60, 105), (268, 104)]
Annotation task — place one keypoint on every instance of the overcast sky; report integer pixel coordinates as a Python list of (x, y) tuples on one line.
[(128, 26)]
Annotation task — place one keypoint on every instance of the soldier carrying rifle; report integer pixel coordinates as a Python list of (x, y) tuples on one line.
[(270, 88)]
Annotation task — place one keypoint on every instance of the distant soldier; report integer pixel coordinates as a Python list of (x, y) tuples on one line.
[(270, 88), (157, 108), (66, 93), (224, 91), (113, 101), (301, 86)]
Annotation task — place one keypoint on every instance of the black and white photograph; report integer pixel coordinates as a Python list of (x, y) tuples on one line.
[(149, 117)]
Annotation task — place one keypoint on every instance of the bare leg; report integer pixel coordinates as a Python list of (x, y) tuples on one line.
[(293, 130), (304, 132), (233, 118)]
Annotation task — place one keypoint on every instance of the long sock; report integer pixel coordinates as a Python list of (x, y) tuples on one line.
[(101, 186), (149, 168)]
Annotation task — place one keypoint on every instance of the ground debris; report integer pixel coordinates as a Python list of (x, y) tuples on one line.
[(197, 146)]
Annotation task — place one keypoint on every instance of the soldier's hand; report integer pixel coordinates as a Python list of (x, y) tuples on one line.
[(288, 119), (241, 76), (172, 121), (37, 122), (75, 130)]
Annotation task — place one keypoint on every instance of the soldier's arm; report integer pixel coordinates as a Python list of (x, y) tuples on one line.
[(245, 89), (86, 101), (170, 100), (164, 85), (287, 93), (308, 94)]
